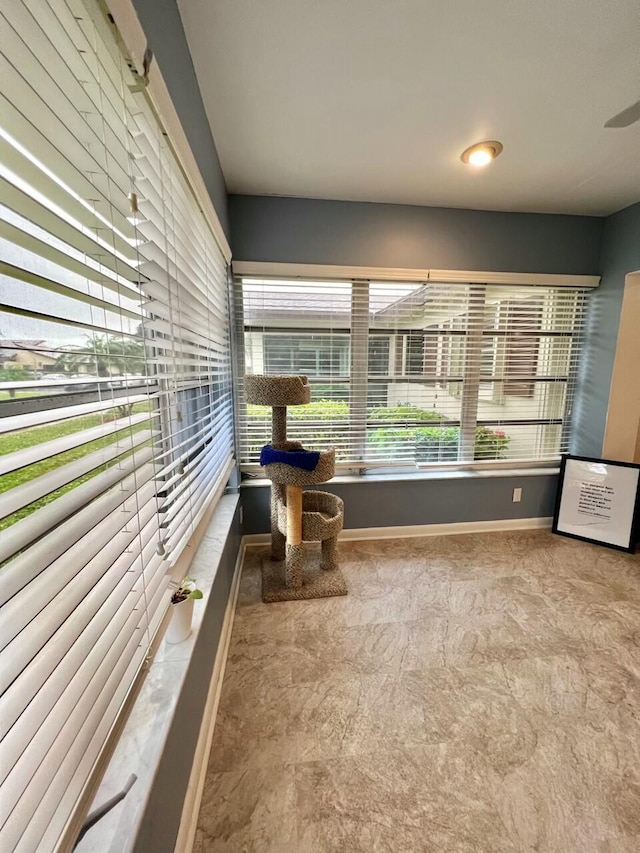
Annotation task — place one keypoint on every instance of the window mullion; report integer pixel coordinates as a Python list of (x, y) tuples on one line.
[(572, 368), (472, 367), (359, 367)]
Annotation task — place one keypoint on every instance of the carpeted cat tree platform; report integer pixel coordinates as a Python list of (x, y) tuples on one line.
[(297, 516)]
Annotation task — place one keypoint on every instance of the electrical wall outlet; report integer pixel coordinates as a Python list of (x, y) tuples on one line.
[(517, 495)]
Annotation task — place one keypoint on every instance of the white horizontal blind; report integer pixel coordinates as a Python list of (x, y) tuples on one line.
[(297, 327), (115, 398), (416, 374), (187, 300)]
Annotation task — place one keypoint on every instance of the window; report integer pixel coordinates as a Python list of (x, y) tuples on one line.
[(436, 373), (281, 327), (115, 399), (379, 349), (523, 321), (315, 355)]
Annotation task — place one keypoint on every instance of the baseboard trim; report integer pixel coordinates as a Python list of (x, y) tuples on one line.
[(456, 527), (407, 531), (195, 788)]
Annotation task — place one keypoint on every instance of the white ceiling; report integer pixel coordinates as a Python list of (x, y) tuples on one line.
[(375, 100)]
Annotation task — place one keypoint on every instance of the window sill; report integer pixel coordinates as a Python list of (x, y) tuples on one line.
[(397, 476), (140, 746)]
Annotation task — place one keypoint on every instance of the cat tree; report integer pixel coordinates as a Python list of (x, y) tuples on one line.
[(297, 516)]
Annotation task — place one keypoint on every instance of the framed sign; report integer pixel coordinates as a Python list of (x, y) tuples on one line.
[(598, 502)]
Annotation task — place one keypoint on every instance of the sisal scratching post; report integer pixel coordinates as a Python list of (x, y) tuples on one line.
[(295, 550), (294, 515)]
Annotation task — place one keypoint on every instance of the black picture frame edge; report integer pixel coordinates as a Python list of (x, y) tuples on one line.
[(634, 532)]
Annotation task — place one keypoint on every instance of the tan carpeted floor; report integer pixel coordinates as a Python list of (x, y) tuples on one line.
[(471, 694)]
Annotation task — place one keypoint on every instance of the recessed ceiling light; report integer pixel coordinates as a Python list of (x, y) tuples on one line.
[(482, 153)]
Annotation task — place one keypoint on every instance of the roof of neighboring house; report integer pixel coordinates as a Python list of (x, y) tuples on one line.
[(10, 348)]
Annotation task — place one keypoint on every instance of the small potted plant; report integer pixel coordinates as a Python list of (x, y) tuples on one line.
[(182, 606)]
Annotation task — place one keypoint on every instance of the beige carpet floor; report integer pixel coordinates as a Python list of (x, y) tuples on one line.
[(471, 694)]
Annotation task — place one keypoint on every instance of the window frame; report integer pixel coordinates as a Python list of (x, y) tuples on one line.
[(471, 375)]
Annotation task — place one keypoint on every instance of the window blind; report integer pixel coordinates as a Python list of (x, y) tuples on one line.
[(415, 374), (296, 327), (115, 398)]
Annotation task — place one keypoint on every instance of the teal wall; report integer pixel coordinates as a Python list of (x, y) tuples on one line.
[(417, 501), (620, 255), (310, 231)]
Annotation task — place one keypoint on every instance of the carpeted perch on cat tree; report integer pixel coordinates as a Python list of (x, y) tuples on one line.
[(297, 516)]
